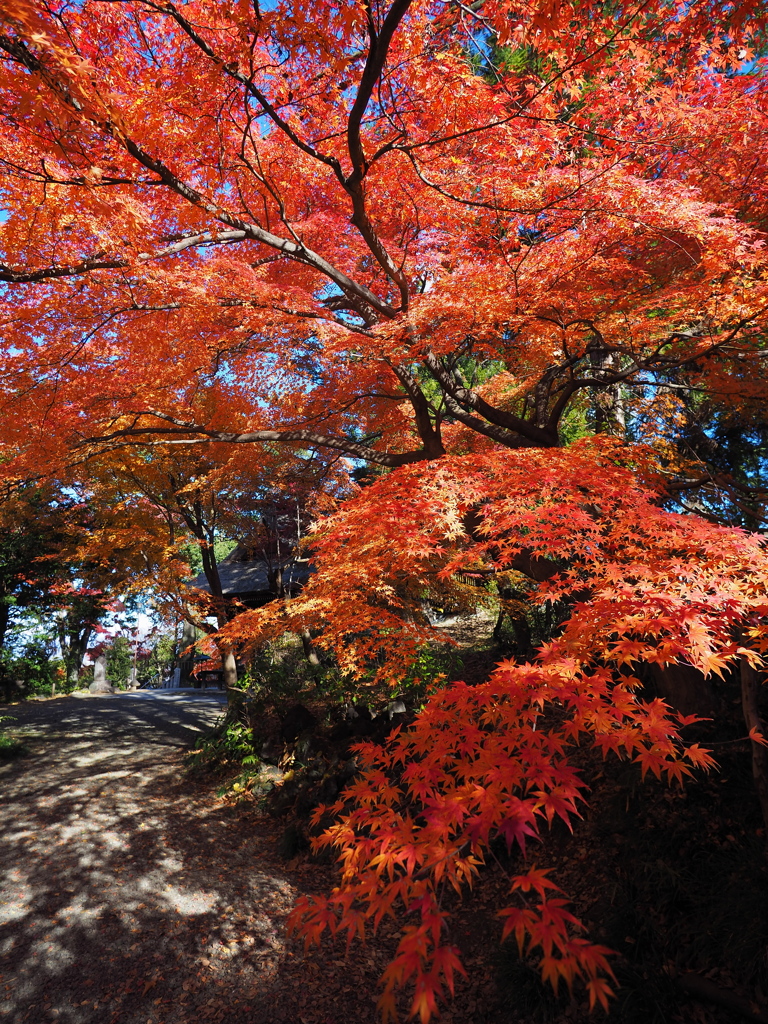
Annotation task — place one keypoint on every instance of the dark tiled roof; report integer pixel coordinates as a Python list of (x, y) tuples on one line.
[(250, 577)]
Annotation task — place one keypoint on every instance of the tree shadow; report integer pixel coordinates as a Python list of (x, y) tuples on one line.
[(129, 896), (125, 898)]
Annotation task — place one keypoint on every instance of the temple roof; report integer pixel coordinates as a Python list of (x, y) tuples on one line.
[(241, 575)]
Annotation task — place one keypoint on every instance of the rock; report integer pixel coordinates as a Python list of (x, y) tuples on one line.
[(395, 714), (271, 750), (356, 713), (296, 720), (352, 721), (282, 798), (269, 776), (395, 707)]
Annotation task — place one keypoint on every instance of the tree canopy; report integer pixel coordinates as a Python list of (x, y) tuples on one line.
[(512, 256)]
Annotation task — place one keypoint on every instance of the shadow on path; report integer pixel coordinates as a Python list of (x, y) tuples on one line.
[(126, 896), (129, 895)]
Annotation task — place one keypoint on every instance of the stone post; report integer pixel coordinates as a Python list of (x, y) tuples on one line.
[(100, 682)]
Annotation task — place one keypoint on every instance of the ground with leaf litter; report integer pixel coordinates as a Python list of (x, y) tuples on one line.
[(129, 894)]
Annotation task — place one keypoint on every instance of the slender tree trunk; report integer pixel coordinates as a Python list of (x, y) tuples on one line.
[(229, 666), (750, 688), (79, 647), (4, 616), (211, 570), (310, 653), (499, 622)]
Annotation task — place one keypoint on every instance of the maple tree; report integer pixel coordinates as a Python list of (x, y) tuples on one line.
[(48, 576), (164, 516), (451, 241)]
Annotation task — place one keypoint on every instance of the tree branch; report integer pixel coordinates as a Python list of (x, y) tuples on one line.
[(354, 449), (501, 423), (295, 251)]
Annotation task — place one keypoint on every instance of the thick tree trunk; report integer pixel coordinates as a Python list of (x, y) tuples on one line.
[(750, 688), (186, 654), (608, 401), (211, 570), (74, 644)]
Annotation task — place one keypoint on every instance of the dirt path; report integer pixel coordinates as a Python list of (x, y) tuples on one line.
[(125, 897), (130, 895)]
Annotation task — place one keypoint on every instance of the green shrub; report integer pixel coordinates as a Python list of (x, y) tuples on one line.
[(230, 743), (32, 673), (9, 746)]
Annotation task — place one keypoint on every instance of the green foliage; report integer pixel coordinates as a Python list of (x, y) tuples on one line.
[(242, 786), (735, 443), (278, 672), (333, 685), (33, 526), (9, 746), (575, 423), (162, 654), (50, 597), (192, 553), (230, 743), (30, 671), (434, 664), (119, 656), (492, 62)]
